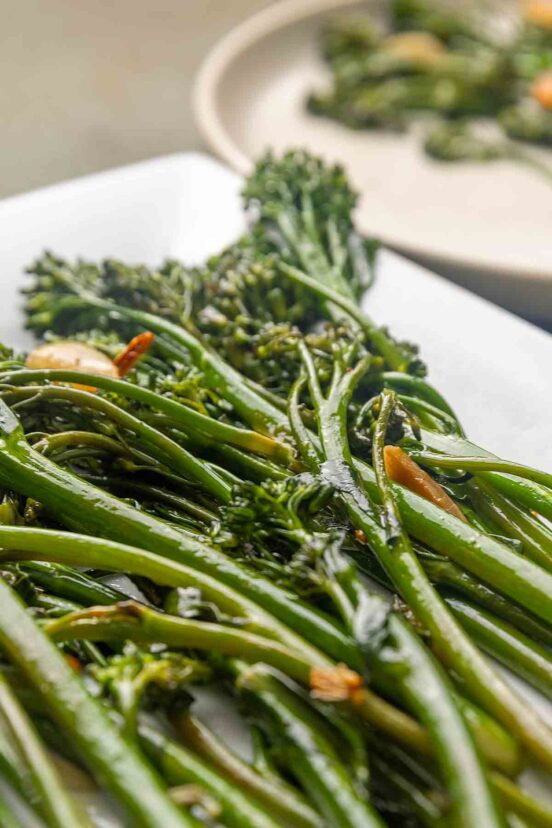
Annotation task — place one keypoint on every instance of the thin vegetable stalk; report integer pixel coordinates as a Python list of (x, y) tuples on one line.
[(473, 550), (514, 649), (494, 635), (130, 621), (8, 819), (191, 421), (535, 536), (218, 374), (53, 802), (428, 693), (80, 505), (517, 801), (69, 582), (413, 387), (296, 728), (281, 799), (411, 664), (448, 576), (448, 639), (424, 688), (112, 760), (526, 492), (180, 766), (20, 543), (157, 444), (377, 337), (475, 465)]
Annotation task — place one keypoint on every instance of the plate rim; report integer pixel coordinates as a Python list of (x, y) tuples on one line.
[(211, 126)]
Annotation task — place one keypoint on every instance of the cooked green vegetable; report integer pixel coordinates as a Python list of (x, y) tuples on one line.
[(205, 519), (434, 58)]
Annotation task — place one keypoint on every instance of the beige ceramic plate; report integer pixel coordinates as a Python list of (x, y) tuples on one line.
[(487, 225)]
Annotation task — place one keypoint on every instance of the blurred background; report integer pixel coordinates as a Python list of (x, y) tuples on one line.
[(93, 84), (90, 84)]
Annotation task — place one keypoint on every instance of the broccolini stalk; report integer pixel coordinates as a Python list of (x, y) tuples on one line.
[(280, 798), (40, 544), (456, 752), (7, 817), (180, 766), (478, 464), (37, 544), (130, 621), (517, 801), (448, 576), (159, 446), (52, 802), (523, 491), (493, 562), (112, 760), (396, 357), (70, 296), (413, 387), (191, 421), (523, 657), (534, 535), (299, 732), (448, 639), (69, 582), (80, 505)]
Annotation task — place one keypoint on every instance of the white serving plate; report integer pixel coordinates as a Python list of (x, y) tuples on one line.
[(494, 368), (488, 226)]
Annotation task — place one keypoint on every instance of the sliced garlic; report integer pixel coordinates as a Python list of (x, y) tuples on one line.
[(71, 356), (419, 47)]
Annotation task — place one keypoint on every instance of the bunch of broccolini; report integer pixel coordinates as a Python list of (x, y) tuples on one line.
[(203, 510)]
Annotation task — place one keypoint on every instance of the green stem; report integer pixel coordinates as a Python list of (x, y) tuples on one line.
[(281, 799), (161, 447), (525, 492), (53, 443), (68, 548), (521, 803), (517, 523), (130, 621), (180, 766), (7, 817), (479, 464), (429, 415), (427, 692), (314, 762), (449, 641), (444, 573), (81, 506), (413, 387), (217, 374), (493, 562), (382, 343), (109, 757), (506, 644), (47, 545), (53, 803), (458, 757), (187, 418), (68, 582)]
